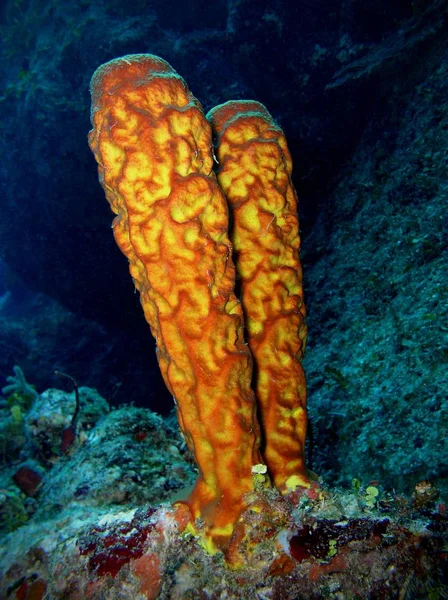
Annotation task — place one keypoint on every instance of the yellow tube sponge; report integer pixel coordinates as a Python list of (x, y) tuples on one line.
[(255, 175), (153, 147)]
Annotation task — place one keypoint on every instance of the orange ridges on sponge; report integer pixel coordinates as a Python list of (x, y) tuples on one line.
[(255, 175), (153, 147)]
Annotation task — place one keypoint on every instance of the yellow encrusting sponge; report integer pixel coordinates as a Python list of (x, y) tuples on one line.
[(154, 150), (255, 175)]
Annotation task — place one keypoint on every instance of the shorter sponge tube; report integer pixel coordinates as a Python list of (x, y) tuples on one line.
[(255, 175)]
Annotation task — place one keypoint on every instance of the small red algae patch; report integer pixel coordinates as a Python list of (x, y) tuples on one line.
[(110, 547), (68, 438), (140, 436), (182, 515), (147, 570), (281, 566), (31, 590), (28, 480), (314, 492), (313, 541), (337, 564)]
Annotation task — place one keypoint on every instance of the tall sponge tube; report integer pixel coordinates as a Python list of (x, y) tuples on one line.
[(153, 148), (255, 175)]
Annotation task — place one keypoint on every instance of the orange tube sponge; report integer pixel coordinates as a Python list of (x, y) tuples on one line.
[(153, 146), (255, 175)]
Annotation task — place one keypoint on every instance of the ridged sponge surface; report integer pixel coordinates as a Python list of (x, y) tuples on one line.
[(255, 175), (153, 146)]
